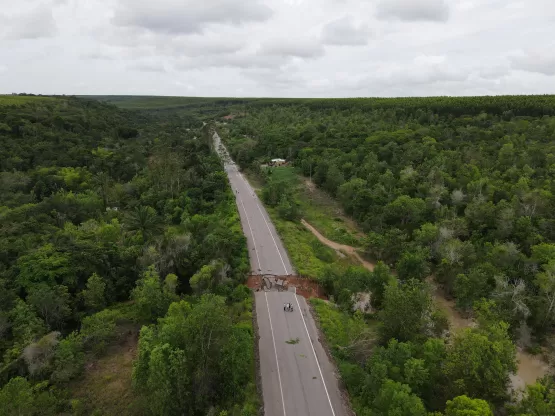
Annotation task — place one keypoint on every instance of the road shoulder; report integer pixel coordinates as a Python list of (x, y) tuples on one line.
[(325, 350)]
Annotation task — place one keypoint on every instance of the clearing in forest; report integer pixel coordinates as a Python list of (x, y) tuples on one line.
[(19, 100)]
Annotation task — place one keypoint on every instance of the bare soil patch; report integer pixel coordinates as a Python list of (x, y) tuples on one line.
[(306, 288)]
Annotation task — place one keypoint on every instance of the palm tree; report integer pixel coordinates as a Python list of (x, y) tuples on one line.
[(173, 250), (102, 182), (145, 220)]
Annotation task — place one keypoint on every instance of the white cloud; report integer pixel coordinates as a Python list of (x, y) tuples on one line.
[(495, 71), (277, 77), (285, 47), (537, 60), (99, 54), (422, 70), (196, 45), (414, 10), (35, 24), (188, 16), (243, 60), (278, 47), (344, 31), (148, 66)]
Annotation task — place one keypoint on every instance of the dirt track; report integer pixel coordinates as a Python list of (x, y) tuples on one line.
[(530, 367), (343, 248)]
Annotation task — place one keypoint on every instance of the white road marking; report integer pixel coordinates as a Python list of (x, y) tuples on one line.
[(272, 235), (313, 351), (267, 225), (275, 353), (252, 234), (266, 298)]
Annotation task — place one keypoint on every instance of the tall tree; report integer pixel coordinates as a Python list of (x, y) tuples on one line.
[(145, 220), (150, 298), (51, 303), (407, 312), (94, 295), (26, 325), (538, 399), (195, 360), (17, 398), (413, 264), (545, 281), (479, 362), (396, 399), (465, 406)]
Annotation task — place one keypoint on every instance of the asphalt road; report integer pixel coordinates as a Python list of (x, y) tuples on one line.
[(297, 376), (266, 252)]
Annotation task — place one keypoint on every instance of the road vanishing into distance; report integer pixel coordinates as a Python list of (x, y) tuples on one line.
[(298, 379)]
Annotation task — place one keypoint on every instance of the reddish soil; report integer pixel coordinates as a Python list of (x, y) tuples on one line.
[(254, 282), (306, 288)]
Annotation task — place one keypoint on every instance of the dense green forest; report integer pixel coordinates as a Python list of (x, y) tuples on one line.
[(118, 224), (514, 104), (111, 220), (457, 189)]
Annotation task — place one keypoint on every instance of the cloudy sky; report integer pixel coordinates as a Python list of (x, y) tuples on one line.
[(280, 48)]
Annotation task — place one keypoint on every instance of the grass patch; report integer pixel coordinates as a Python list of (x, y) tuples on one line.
[(319, 209), (309, 256), (334, 229), (19, 100), (105, 388), (105, 385), (351, 341), (284, 173), (339, 328), (326, 215)]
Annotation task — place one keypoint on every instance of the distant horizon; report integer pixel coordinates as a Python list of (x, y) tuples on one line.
[(279, 97)]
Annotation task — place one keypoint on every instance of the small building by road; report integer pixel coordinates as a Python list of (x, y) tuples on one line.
[(277, 162)]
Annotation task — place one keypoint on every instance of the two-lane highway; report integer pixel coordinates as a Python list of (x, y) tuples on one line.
[(266, 252), (297, 376)]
